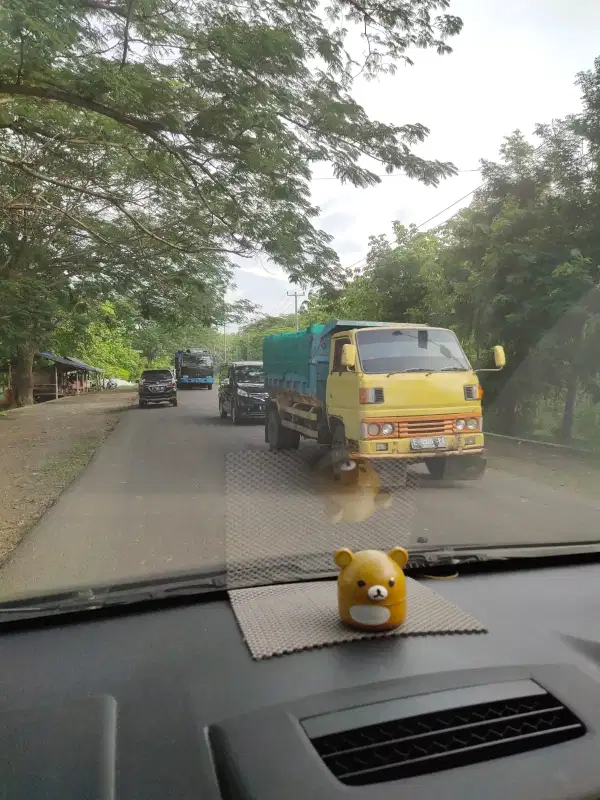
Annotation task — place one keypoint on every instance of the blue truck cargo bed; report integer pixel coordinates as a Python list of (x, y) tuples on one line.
[(299, 361)]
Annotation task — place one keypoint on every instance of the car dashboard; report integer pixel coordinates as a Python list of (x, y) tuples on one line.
[(168, 702)]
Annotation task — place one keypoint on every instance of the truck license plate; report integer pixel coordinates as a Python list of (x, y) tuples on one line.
[(428, 443)]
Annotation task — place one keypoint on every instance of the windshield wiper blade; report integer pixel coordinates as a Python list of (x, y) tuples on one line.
[(411, 369), (454, 369), (92, 599)]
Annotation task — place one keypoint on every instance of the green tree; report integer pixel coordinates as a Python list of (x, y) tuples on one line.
[(217, 111)]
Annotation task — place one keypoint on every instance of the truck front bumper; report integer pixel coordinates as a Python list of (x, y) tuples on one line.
[(467, 444)]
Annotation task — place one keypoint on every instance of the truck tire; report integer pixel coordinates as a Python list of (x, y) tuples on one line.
[(436, 468), (209, 387), (339, 447), (279, 437)]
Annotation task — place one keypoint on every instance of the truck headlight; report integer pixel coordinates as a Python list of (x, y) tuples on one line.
[(472, 424), (373, 429), (242, 393), (387, 429), (460, 424)]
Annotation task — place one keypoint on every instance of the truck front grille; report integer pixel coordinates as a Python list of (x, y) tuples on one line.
[(425, 427)]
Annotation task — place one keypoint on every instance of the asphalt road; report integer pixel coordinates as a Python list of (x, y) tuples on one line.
[(153, 501)]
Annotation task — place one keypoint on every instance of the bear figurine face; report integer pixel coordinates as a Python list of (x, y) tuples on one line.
[(372, 588)]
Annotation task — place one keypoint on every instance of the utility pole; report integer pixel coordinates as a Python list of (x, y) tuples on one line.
[(295, 295), (224, 334)]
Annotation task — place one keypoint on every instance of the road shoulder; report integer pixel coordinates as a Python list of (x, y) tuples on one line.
[(43, 448)]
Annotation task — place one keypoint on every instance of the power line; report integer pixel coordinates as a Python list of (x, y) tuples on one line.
[(460, 199), (393, 175)]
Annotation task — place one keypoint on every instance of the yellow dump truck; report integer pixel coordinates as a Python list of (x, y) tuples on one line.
[(379, 391)]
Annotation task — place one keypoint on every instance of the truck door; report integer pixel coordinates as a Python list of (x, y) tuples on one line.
[(342, 389)]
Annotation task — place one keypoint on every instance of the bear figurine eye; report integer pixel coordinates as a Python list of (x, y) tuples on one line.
[(361, 584), (391, 582)]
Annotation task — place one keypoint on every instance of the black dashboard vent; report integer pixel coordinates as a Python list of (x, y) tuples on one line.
[(455, 737)]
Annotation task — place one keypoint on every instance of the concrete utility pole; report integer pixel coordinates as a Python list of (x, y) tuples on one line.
[(295, 295), (224, 333)]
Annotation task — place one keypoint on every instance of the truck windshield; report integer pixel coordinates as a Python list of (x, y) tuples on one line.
[(410, 350), (249, 374), (197, 360)]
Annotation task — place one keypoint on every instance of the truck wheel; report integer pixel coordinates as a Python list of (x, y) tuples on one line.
[(209, 386), (339, 448), (279, 437), (142, 404), (436, 467)]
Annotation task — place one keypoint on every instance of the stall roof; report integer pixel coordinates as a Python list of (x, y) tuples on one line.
[(81, 365), (57, 359), (73, 363)]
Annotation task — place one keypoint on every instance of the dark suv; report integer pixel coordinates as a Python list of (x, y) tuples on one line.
[(242, 393), (157, 386)]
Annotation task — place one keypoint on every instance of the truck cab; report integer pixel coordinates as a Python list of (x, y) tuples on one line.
[(407, 392)]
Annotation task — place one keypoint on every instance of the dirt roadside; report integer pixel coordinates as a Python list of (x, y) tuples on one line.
[(42, 450), (556, 467)]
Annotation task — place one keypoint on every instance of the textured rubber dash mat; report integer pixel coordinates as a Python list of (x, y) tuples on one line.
[(280, 510), (286, 618)]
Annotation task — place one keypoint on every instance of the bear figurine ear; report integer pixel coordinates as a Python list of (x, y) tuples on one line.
[(399, 555), (343, 557)]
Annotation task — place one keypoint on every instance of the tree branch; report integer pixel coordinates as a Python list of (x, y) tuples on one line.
[(98, 5), (61, 184), (77, 221), (74, 100), (126, 33)]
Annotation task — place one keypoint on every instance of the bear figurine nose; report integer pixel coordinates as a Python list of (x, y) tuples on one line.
[(377, 593)]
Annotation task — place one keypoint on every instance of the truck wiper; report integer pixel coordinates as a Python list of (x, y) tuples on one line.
[(411, 369), (454, 369)]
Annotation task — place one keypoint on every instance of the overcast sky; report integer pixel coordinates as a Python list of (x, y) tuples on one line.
[(513, 65)]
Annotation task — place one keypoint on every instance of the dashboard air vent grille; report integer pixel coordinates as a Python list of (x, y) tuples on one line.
[(456, 737)]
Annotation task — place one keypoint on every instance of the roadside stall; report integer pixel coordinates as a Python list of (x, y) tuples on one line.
[(64, 376)]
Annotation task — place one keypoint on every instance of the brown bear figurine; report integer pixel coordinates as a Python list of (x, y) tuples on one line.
[(372, 588)]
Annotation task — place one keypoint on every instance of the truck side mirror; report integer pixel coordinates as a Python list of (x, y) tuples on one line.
[(349, 356), (499, 356)]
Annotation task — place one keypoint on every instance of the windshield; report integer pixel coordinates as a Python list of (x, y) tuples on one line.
[(198, 360), (387, 278), (157, 375), (250, 374), (410, 350)]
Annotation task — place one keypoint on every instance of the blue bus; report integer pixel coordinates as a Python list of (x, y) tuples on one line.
[(194, 367)]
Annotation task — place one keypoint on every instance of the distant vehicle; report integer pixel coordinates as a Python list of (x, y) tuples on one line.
[(242, 393), (157, 386), (112, 384), (194, 367)]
